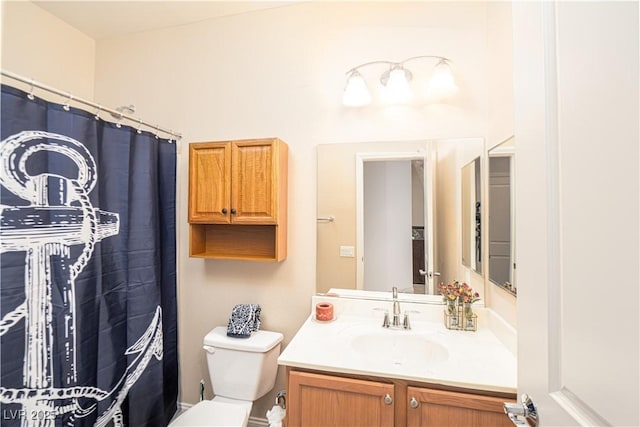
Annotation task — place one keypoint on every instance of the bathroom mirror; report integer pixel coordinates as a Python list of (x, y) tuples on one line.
[(471, 221), (437, 166), (502, 248)]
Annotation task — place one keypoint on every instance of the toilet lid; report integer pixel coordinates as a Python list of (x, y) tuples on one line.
[(210, 413), (259, 341)]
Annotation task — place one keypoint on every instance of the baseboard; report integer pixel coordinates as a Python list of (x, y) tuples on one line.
[(253, 421), (182, 407), (258, 422)]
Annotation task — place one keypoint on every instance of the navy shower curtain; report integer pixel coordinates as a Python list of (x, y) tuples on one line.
[(88, 332)]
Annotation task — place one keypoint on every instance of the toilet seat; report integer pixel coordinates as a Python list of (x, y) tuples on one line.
[(213, 413)]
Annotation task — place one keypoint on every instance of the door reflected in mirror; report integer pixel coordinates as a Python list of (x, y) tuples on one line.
[(502, 264), (391, 236)]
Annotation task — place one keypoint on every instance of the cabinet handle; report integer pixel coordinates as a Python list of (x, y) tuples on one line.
[(233, 211), (224, 211), (388, 399), (414, 403)]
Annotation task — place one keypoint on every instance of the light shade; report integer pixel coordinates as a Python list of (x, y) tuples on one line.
[(442, 84), (397, 90), (356, 93), (395, 83)]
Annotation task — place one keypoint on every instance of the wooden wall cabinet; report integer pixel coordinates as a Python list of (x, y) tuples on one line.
[(238, 199), (319, 399)]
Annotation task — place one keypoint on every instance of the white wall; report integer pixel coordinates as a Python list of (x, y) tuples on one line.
[(277, 72)]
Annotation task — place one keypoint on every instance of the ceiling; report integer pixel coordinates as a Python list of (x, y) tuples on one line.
[(104, 19)]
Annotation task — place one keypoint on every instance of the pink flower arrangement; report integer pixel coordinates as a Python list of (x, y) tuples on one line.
[(467, 295), (462, 292)]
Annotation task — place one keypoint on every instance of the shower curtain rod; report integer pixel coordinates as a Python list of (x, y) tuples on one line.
[(119, 114)]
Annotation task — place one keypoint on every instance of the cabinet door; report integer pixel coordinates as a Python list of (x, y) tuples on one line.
[(254, 191), (209, 183), (328, 401), (438, 408)]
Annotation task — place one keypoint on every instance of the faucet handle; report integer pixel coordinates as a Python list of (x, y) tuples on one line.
[(394, 292), (406, 324), (385, 322)]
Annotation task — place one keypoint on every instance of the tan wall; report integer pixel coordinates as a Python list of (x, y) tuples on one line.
[(39, 46), (281, 72), (277, 72)]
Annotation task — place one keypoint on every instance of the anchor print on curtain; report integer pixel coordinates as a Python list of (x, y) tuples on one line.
[(88, 333)]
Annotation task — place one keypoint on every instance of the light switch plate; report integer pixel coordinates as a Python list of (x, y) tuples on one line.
[(347, 251)]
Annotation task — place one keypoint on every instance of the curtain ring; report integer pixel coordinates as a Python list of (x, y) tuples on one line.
[(66, 106), (118, 124), (157, 131), (31, 96), (139, 126), (97, 115)]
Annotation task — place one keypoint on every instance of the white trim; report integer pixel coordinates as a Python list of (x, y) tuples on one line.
[(554, 251), (499, 151), (583, 414)]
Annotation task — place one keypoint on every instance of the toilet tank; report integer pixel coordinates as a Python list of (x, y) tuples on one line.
[(242, 368)]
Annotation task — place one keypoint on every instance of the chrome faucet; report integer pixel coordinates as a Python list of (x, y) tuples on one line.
[(396, 308), (395, 322)]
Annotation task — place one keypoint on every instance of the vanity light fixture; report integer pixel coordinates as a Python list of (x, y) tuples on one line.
[(395, 80)]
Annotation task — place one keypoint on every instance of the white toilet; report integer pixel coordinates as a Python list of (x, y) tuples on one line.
[(241, 370)]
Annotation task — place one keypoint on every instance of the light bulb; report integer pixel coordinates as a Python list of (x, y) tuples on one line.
[(442, 84), (356, 93)]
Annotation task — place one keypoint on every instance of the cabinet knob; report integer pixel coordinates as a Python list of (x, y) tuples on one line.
[(414, 403), (233, 211), (224, 211), (388, 399)]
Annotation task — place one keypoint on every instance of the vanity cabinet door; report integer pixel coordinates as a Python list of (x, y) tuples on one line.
[(330, 401), (438, 408)]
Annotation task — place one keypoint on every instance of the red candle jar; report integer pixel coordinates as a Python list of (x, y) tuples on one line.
[(324, 311)]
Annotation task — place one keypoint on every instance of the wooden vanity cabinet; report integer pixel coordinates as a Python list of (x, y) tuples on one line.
[(427, 407), (238, 199), (325, 400), (319, 399)]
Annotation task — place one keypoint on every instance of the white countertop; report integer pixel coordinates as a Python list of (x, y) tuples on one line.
[(481, 360)]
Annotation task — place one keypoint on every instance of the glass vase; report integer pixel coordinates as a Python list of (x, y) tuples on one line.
[(452, 307), (467, 310), (470, 319)]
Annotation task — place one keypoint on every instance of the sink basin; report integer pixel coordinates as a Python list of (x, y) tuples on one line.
[(398, 348)]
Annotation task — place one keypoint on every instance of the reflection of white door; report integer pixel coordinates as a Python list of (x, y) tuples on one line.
[(387, 225), (500, 220), (393, 224), (576, 120)]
